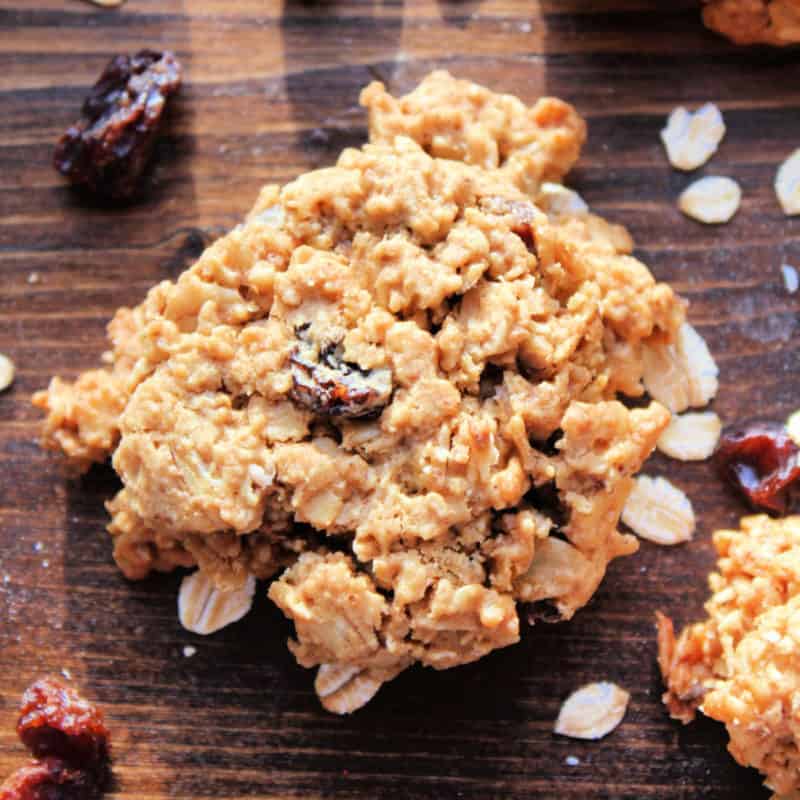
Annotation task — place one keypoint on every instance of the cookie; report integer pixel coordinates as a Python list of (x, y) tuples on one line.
[(396, 385)]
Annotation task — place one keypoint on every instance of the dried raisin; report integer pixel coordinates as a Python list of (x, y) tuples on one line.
[(107, 151), (762, 462)]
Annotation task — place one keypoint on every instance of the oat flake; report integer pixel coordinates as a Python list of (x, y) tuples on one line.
[(6, 372), (691, 138), (658, 511), (787, 184), (593, 711), (204, 609), (691, 437), (712, 200)]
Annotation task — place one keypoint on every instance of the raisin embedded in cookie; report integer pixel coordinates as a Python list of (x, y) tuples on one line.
[(395, 386)]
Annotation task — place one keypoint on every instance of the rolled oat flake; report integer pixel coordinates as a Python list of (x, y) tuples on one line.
[(592, 711), (6, 372)]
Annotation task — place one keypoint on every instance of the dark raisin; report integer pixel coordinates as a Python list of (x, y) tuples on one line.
[(107, 151), (325, 383), (761, 461), (56, 721), (542, 611), (50, 779), (491, 378), (545, 499)]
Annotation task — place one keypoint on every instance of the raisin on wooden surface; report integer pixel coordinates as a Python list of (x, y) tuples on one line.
[(56, 721), (50, 779), (763, 463), (107, 151)]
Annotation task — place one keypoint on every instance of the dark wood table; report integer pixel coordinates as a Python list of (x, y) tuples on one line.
[(271, 91)]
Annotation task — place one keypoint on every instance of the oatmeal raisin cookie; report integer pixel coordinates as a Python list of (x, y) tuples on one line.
[(397, 381), (740, 666)]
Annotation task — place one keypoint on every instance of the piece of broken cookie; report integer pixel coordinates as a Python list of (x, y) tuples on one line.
[(740, 666)]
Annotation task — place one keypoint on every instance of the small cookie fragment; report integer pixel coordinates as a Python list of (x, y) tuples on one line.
[(107, 151), (787, 184), (773, 22), (557, 201), (592, 711), (658, 511), (691, 437), (204, 609), (343, 688), (691, 138), (739, 665), (711, 200), (106, 3), (7, 371), (681, 375)]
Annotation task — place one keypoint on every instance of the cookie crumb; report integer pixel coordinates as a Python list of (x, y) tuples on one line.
[(592, 711), (711, 200), (691, 138), (34, 277), (572, 761), (189, 651)]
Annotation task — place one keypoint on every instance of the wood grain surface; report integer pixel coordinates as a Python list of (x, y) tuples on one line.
[(270, 92)]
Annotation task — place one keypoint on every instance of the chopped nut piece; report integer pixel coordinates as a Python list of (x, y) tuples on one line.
[(557, 201), (659, 512), (793, 427), (787, 184), (343, 689), (683, 375), (272, 216), (692, 138), (592, 711), (204, 609), (712, 200), (6, 372), (691, 437)]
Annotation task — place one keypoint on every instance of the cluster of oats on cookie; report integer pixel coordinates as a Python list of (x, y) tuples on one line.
[(396, 383)]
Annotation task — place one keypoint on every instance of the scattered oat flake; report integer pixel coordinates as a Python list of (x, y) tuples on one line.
[(681, 375), (787, 184), (189, 651), (712, 200), (34, 277), (793, 427), (791, 280), (691, 437), (691, 138), (343, 688), (593, 711), (204, 609), (6, 372), (557, 200), (658, 511)]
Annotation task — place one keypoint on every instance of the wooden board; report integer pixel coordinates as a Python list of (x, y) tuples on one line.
[(271, 91)]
